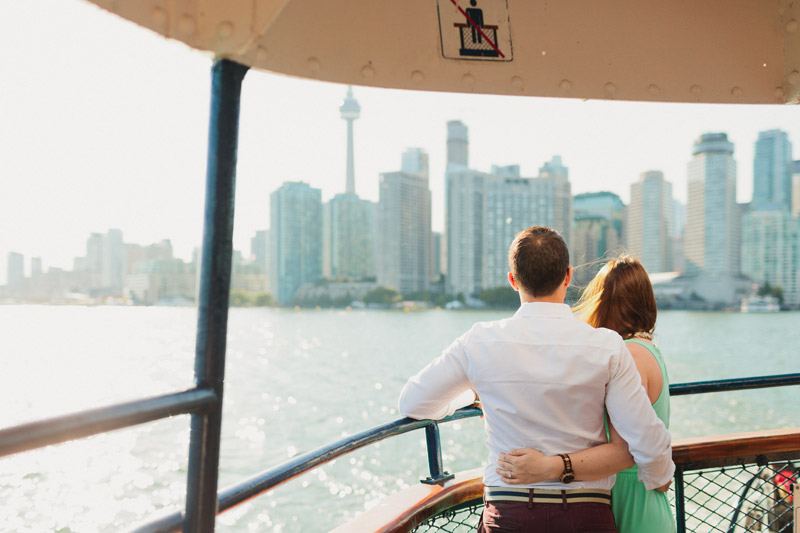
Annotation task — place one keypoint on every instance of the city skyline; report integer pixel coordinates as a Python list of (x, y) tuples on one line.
[(109, 130)]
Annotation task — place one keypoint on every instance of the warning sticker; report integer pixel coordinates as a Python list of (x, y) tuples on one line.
[(475, 29)]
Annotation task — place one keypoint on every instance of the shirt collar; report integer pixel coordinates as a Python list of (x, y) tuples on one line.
[(544, 310)]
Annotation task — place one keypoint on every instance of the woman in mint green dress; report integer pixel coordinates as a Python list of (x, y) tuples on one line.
[(620, 297)]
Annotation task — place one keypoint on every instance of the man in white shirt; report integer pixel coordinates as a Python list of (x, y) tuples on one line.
[(544, 379)]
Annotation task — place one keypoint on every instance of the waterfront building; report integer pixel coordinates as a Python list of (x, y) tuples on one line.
[(295, 238), (414, 161), (102, 271), (16, 270), (598, 231), (711, 243), (403, 245), (349, 224), (594, 240), (651, 222), (483, 213), (464, 212), (771, 251), (457, 143), (513, 203), (113, 262), (796, 189), (436, 255), (772, 171), (259, 245), (161, 281), (560, 192), (36, 267)]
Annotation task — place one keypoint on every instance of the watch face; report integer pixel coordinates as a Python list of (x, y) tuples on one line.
[(567, 478)]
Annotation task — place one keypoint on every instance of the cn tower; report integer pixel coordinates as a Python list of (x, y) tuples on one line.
[(350, 111)]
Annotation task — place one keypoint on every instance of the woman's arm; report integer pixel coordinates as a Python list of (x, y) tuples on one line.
[(526, 466)]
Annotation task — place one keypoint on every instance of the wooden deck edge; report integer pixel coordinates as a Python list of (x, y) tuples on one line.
[(401, 512), (408, 508), (735, 445)]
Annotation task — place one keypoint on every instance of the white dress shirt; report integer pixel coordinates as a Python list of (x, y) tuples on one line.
[(543, 378)]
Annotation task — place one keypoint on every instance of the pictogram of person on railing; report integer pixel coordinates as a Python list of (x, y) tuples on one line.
[(477, 38)]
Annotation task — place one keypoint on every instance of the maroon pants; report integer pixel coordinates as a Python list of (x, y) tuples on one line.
[(521, 517)]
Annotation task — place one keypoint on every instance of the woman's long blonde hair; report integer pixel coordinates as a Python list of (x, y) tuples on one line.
[(620, 297)]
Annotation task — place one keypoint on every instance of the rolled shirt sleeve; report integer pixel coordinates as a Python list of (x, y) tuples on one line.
[(440, 388), (633, 416)]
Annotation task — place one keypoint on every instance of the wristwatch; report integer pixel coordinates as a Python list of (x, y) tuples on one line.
[(568, 476)]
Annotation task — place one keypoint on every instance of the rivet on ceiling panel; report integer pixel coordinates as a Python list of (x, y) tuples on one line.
[(224, 31), (186, 26), (737, 92), (417, 76), (517, 83), (314, 65), (779, 92), (159, 16), (468, 79), (653, 90), (610, 88), (696, 90), (565, 85), (793, 77), (367, 72)]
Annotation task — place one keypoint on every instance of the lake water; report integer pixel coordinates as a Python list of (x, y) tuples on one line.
[(296, 380)]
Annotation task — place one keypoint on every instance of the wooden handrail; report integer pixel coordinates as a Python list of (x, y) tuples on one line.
[(735, 448), (408, 508)]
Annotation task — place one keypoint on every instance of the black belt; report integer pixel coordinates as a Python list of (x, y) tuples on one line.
[(513, 494)]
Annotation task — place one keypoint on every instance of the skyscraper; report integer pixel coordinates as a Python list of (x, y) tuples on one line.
[(557, 175), (259, 244), (483, 213), (464, 211), (795, 189), (650, 221), (457, 143), (295, 238), (350, 111), (404, 231), (349, 227), (597, 232), (769, 233), (16, 269), (712, 215), (771, 250), (772, 171)]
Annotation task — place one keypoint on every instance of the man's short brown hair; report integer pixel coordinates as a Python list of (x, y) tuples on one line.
[(539, 260)]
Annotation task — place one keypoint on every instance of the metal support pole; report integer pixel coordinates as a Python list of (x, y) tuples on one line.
[(438, 474), (680, 501), (215, 281)]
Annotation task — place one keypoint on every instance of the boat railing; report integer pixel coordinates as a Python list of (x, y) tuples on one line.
[(685, 477)]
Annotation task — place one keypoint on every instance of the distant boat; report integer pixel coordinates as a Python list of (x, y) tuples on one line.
[(760, 304)]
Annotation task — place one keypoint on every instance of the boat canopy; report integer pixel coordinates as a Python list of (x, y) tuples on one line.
[(722, 51)]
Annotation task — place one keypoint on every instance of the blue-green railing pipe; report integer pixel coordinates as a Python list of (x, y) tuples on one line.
[(434, 444), (680, 500), (215, 282)]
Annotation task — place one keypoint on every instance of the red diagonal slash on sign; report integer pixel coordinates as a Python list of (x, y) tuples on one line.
[(472, 22)]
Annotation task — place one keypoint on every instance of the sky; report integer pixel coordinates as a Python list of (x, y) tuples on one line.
[(104, 124)]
